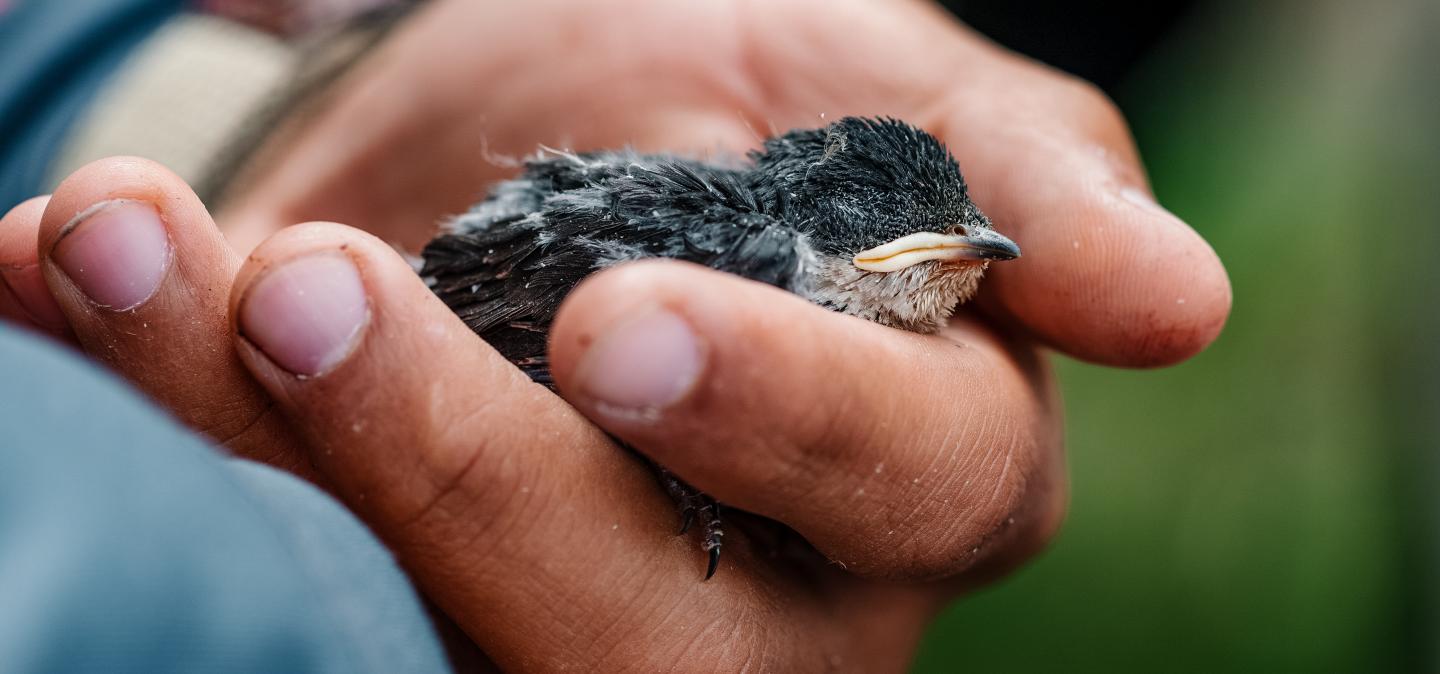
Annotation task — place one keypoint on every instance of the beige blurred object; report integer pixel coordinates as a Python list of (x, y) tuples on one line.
[(181, 97), (292, 17)]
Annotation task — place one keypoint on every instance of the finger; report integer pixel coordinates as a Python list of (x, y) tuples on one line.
[(895, 454), (1108, 275), (518, 516), (24, 298), (143, 277)]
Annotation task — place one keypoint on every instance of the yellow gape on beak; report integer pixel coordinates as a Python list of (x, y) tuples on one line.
[(979, 244)]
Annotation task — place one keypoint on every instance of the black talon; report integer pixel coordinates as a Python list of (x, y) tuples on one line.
[(714, 534), (714, 562), (695, 506), (687, 518)]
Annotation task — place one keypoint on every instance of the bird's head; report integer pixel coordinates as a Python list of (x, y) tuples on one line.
[(885, 207)]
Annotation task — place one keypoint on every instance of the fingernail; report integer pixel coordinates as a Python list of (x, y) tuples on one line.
[(306, 314), (643, 364), (29, 289), (116, 252)]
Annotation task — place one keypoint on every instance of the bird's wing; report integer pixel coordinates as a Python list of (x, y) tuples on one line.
[(556, 172), (543, 177), (507, 278), (692, 212)]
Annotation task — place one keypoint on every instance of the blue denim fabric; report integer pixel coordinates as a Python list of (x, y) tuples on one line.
[(54, 55), (129, 545)]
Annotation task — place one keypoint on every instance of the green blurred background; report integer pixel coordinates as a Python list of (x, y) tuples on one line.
[(1268, 505)]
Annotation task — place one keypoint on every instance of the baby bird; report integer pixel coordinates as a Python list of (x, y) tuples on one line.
[(868, 217)]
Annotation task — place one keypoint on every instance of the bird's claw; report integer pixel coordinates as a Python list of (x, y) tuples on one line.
[(714, 562), (687, 517), (695, 504), (714, 534)]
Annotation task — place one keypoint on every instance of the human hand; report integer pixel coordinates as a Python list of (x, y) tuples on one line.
[(813, 391), (1107, 276), (323, 352)]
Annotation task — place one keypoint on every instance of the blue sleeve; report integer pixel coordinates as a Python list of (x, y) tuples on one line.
[(128, 545), (54, 55)]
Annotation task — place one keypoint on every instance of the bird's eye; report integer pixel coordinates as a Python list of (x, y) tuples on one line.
[(958, 230)]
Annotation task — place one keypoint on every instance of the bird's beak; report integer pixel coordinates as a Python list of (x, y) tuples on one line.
[(980, 244)]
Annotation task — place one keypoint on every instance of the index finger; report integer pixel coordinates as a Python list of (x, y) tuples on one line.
[(898, 455), (547, 544), (1108, 275)]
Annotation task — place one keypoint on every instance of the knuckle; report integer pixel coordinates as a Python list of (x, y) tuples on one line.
[(1098, 111), (751, 640), (957, 524), (945, 551), (255, 431), (468, 483), (800, 445), (818, 441)]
